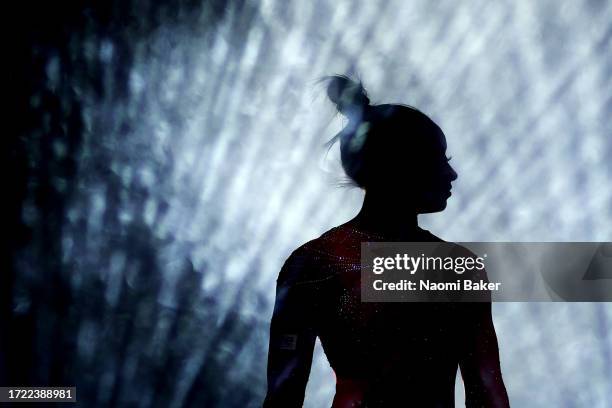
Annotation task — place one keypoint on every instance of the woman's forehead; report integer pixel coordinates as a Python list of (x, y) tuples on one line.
[(436, 139), (442, 139)]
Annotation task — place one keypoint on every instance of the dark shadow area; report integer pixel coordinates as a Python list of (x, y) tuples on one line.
[(63, 321)]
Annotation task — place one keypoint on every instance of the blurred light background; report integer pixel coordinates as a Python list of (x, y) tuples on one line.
[(170, 157)]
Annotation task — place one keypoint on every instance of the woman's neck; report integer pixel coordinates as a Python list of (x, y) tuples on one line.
[(382, 214)]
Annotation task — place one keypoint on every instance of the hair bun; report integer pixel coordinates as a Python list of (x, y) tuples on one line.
[(346, 93)]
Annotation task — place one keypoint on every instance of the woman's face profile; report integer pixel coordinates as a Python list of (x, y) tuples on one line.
[(416, 174), (434, 183)]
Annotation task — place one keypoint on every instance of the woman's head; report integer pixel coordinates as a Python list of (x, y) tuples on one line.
[(391, 149)]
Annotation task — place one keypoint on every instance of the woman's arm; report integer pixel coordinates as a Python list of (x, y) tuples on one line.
[(479, 361), (292, 339)]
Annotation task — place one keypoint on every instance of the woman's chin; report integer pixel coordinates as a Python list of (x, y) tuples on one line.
[(433, 207)]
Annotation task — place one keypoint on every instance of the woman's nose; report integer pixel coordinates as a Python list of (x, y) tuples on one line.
[(452, 173)]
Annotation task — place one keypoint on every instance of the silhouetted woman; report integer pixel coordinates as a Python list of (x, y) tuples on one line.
[(383, 354)]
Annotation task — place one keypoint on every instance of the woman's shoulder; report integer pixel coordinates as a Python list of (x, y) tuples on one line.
[(335, 251), (338, 243), (322, 257)]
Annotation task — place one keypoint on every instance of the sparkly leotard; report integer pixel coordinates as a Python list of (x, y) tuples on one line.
[(383, 354)]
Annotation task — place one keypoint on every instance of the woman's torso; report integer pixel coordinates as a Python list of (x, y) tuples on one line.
[(383, 354)]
